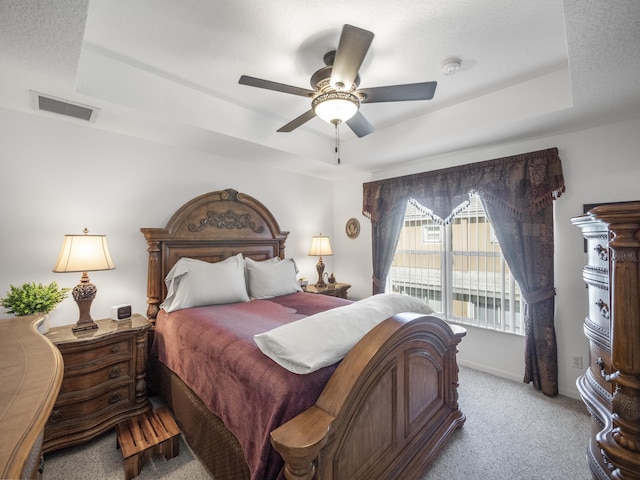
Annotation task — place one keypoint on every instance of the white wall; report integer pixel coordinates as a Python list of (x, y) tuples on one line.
[(353, 256), (59, 177), (600, 165)]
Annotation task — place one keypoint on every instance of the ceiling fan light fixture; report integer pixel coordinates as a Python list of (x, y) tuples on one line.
[(335, 107)]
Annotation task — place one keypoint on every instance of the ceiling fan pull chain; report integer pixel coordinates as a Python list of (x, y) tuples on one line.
[(337, 143)]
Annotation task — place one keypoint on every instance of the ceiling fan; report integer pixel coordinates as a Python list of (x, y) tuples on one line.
[(336, 97)]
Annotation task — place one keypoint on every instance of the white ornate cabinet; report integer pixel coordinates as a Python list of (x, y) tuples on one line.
[(611, 385)]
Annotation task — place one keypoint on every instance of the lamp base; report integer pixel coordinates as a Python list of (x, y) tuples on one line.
[(81, 327), (85, 322), (83, 294), (320, 268)]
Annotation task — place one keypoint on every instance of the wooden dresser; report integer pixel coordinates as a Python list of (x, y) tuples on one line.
[(610, 387), (104, 380), (30, 375)]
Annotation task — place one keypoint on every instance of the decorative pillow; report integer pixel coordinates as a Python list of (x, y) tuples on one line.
[(271, 279), (246, 273), (192, 283), (269, 260), (323, 339)]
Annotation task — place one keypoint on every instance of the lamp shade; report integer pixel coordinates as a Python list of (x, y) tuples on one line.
[(320, 246), (84, 253)]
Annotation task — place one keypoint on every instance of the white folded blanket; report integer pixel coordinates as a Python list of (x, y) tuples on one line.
[(323, 339)]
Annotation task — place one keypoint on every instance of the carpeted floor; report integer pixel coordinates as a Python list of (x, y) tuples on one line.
[(512, 432)]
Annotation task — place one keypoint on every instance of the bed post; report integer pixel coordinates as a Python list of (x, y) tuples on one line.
[(300, 442), (153, 293)]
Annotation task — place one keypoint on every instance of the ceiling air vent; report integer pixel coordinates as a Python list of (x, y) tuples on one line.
[(51, 104)]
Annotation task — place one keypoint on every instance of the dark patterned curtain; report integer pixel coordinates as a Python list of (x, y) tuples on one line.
[(517, 193), (385, 231)]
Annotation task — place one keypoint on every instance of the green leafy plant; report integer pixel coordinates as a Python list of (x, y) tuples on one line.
[(30, 298)]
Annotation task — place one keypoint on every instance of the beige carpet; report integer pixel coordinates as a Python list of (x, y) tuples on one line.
[(512, 432)]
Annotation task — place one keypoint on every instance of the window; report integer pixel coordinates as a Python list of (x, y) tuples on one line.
[(431, 233), (457, 268)]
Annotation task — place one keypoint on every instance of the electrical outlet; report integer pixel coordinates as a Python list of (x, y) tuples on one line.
[(576, 361)]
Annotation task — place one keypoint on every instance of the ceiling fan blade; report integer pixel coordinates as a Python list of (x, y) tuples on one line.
[(399, 93), (360, 125), (295, 123), (278, 87), (353, 46)]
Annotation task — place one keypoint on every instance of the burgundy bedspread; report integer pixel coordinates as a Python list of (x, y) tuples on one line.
[(212, 350)]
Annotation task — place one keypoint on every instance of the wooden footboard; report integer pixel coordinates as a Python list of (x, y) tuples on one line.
[(385, 412)]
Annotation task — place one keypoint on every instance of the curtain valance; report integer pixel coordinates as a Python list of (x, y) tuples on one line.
[(519, 184)]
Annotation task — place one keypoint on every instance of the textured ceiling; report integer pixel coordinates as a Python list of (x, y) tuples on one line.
[(167, 70)]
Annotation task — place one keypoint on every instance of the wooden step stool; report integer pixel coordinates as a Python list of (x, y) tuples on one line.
[(146, 435)]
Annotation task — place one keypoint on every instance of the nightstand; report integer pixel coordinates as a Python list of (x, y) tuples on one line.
[(339, 290), (104, 380)]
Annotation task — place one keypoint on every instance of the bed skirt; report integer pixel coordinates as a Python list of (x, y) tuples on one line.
[(216, 447)]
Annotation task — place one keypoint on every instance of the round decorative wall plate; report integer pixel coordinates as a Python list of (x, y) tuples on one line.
[(352, 228)]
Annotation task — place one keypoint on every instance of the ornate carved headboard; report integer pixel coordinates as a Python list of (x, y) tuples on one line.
[(211, 227)]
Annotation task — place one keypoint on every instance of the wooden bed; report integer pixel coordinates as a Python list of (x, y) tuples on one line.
[(384, 413)]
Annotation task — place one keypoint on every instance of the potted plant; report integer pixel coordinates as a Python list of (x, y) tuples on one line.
[(30, 298)]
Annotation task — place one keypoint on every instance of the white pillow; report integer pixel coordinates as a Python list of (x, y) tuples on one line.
[(192, 283), (322, 339), (271, 279), (246, 273)]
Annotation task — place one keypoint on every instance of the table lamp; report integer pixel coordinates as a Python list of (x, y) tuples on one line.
[(320, 246), (84, 253)]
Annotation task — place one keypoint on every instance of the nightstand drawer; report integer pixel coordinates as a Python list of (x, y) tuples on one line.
[(83, 412), (79, 357), (89, 376)]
